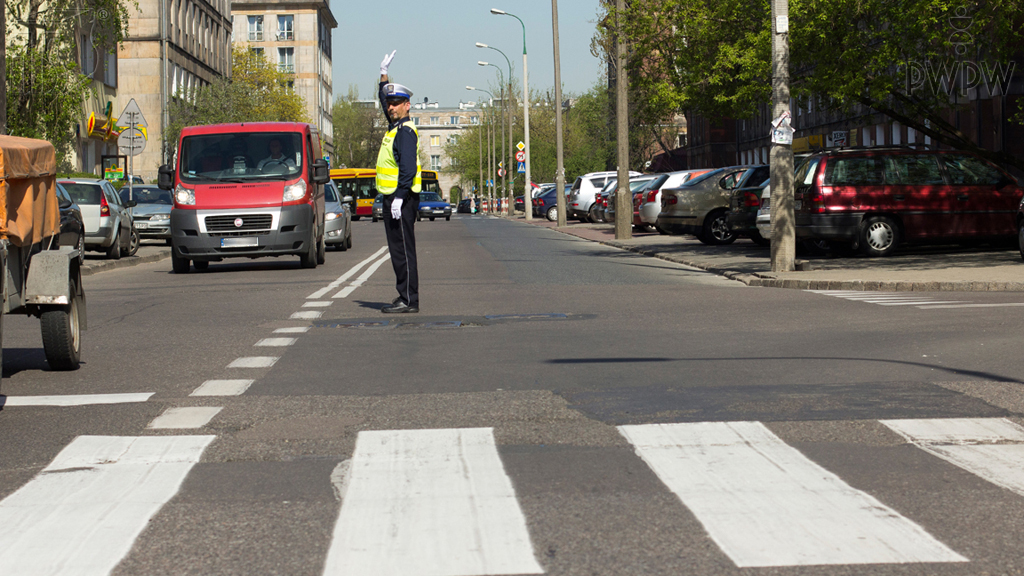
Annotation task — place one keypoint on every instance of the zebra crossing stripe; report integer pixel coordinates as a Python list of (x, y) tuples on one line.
[(429, 502), (766, 504), (992, 448), (82, 513)]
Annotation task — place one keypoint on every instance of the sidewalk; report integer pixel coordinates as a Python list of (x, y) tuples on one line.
[(96, 262), (931, 268)]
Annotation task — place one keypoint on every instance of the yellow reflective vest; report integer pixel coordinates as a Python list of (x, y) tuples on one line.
[(387, 166)]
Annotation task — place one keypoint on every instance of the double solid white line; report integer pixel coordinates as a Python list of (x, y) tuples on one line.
[(350, 273)]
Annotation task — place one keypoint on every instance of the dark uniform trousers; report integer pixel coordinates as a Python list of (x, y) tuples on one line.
[(402, 246)]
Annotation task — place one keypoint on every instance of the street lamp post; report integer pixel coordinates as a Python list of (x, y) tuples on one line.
[(506, 104), (480, 133), (526, 111)]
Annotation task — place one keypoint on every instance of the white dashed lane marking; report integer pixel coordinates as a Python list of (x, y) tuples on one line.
[(317, 304), (292, 330), (344, 292), (344, 277), (74, 399), (305, 315), (254, 362), (276, 342), (891, 298), (234, 387), (180, 418)]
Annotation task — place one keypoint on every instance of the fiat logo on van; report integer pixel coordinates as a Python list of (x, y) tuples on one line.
[(238, 222)]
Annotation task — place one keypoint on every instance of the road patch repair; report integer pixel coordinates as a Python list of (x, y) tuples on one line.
[(447, 323)]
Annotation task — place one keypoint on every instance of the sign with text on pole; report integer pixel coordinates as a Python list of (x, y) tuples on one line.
[(131, 142)]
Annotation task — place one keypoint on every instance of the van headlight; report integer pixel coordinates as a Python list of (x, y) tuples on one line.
[(184, 196), (294, 191)]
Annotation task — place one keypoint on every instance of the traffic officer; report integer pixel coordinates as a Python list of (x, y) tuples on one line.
[(398, 179)]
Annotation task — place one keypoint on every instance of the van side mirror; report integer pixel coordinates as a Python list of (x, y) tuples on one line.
[(321, 171), (165, 177)]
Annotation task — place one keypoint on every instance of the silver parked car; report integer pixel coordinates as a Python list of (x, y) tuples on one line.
[(108, 221), (584, 192), (337, 218), (152, 212), (637, 184), (701, 206), (650, 205)]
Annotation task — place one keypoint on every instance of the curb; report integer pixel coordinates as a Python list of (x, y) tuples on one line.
[(90, 268), (768, 279)]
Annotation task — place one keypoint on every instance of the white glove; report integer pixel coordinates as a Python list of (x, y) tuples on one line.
[(396, 208), (386, 62)]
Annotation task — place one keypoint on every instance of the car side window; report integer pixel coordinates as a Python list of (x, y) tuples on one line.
[(598, 182), (967, 170), (912, 169), (863, 171)]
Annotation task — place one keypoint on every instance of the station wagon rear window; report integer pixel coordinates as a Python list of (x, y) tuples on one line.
[(242, 156), (863, 171), (967, 170)]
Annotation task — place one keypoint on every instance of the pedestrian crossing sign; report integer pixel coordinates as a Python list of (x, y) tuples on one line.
[(522, 167)]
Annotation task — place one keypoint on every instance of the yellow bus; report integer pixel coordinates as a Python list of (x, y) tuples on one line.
[(361, 185), (429, 183)]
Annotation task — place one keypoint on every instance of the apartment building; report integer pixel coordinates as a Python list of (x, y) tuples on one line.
[(173, 46), (296, 36), (437, 127)]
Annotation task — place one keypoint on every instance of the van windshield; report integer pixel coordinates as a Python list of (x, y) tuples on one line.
[(241, 156)]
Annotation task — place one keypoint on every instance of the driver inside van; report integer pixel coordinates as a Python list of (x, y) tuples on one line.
[(276, 156)]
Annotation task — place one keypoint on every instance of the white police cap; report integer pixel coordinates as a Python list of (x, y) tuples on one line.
[(393, 90)]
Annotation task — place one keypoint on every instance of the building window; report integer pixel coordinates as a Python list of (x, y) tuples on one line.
[(286, 27), (110, 69), (256, 51), (435, 140), (435, 162), (255, 28), (433, 119), (454, 120), (286, 60), (416, 121), (474, 120), (88, 56)]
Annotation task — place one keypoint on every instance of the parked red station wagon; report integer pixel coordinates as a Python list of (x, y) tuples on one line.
[(247, 190), (875, 199)]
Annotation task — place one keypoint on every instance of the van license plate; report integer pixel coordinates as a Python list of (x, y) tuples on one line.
[(241, 242)]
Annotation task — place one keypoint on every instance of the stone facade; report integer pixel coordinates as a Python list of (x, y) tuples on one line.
[(296, 36)]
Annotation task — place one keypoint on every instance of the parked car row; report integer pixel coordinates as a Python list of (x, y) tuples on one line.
[(871, 200)]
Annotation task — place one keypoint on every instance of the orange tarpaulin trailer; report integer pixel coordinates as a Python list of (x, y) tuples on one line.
[(28, 184)]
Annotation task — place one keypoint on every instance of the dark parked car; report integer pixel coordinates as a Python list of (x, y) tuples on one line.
[(875, 199), (465, 206), (518, 204), (72, 227)]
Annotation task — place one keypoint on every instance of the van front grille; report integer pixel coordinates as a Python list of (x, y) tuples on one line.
[(249, 222)]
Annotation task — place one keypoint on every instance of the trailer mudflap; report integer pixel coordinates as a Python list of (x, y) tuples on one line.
[(48, 277)]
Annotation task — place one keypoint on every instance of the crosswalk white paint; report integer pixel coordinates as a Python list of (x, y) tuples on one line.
[(766, 504), (253, 362), (82, 513), (344, 277), (306, 315), (292, 330), (889, 298), (184, 417), (992, 448), (74, 399), (344, 292), (231, 387), (317, 304), (429, 503)]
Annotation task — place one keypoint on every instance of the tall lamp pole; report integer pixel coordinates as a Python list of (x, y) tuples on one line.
[(504, 105), (560, 168), (507, 105), (528, 193), (490, 145)]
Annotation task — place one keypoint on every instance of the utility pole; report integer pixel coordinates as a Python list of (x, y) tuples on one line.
[(560, 169), (623, 198), (3, 68), (783, 244)]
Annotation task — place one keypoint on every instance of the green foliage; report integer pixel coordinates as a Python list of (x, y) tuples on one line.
[(256, 92), (714, 56), (358, 130), (76, 175), (45, 92)]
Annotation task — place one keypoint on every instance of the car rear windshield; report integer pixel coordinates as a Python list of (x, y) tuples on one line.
[(430, 197), (241, 156), (702, 177), (84, 193), (358, 188), (146, 195), (856, 171)]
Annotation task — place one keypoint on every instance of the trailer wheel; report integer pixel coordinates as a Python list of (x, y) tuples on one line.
[(62, 340)]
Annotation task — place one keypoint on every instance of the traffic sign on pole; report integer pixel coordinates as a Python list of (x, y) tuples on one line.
[(522, 168), (521, 146), (521, 156), (132, 114), (131, 142)]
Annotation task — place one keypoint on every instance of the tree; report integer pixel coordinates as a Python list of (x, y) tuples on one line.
[(714, 56), (256, 92), (45, 85), (358, 130)]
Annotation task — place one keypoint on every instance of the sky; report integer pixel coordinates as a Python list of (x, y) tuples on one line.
[(436, 48)]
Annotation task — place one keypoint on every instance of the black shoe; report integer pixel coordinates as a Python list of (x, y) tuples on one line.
[(396, 301), (400, 308)]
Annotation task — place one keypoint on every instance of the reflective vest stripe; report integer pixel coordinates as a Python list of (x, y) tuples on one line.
[(387, 166)]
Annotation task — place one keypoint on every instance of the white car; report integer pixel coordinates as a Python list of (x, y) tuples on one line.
[(764, 214), (580, 203)]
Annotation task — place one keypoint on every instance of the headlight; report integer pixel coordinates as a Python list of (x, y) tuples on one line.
[(156, 217), (332, 215), (184, 196), (294, 191)]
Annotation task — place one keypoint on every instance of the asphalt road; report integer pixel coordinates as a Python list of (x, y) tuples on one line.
[(558, 407)]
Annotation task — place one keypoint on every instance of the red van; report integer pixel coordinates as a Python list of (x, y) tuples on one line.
[(874, 199), (247, 190)]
